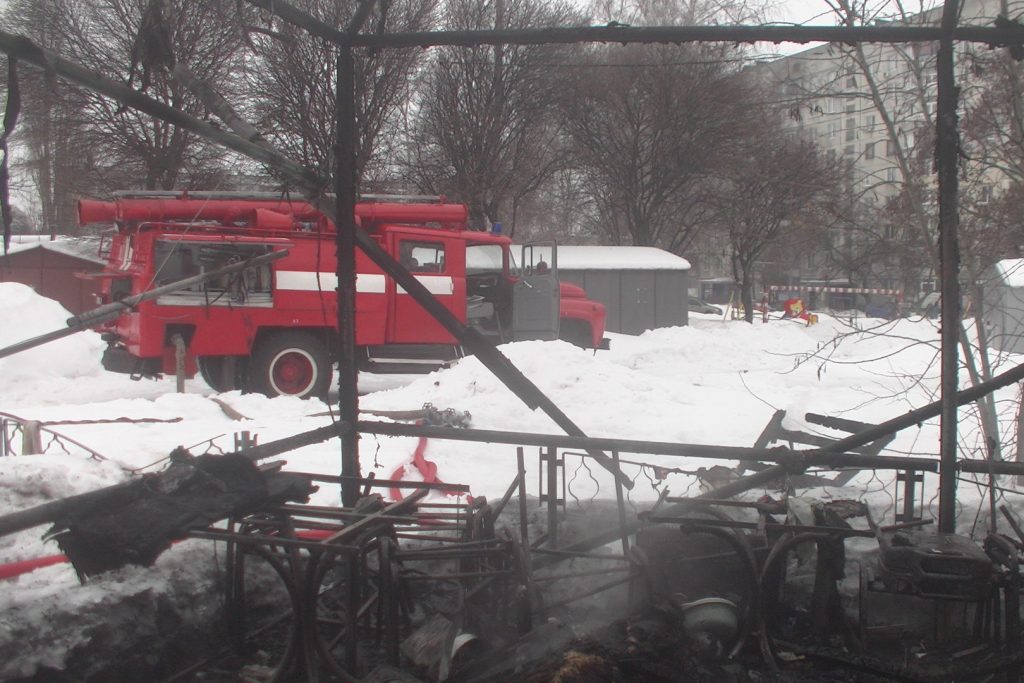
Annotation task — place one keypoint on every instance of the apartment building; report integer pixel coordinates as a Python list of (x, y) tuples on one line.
[(871, 110)]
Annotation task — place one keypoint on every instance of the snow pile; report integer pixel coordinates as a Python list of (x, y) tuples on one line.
[(25, 314)]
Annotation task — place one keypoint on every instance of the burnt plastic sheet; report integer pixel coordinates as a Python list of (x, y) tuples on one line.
[(136, 523)]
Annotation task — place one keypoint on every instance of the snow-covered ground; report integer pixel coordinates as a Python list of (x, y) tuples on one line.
[(714, 382)]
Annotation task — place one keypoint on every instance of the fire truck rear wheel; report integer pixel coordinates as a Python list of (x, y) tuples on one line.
[(291, 364)]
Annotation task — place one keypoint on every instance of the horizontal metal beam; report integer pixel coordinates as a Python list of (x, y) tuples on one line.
[(642, 34), (799, 460), (689, 34), (783, 455)]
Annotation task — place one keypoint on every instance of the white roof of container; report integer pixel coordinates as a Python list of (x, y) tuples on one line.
[(1011, 270), (614, 258), (80, 247)]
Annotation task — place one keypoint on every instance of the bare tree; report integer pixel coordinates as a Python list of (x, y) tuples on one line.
[(53, 160), (290, 82), (140, 41), (770, 182), (485, 129), (648, 124)]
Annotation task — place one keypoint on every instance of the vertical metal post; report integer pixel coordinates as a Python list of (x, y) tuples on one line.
[(524, 531), (552, 458), (179, 363), (243, 441), (910, 479), (622, 508), (946, 147), (354, 602), (345, 191), (31, 437)]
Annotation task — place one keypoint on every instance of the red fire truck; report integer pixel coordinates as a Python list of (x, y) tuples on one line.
[(271, 329)]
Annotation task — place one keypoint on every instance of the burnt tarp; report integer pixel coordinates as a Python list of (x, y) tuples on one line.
[(136, 522)]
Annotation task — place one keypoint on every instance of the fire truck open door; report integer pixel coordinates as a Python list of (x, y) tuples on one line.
[(535, 297)]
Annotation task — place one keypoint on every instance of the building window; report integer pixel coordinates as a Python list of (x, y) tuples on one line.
[(849, 109), (869, 150), (851, 81), (871, 123), (832, 130), (848, 151), (851, 130), (890, 148), (890, 175)]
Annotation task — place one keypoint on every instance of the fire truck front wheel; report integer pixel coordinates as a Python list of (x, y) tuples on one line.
[(223, 373), (291, 364)]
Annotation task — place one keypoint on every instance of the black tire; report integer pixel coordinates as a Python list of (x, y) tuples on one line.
[(217, 371), (291, 364)]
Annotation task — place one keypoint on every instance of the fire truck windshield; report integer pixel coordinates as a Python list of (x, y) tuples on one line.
[(487, 259)]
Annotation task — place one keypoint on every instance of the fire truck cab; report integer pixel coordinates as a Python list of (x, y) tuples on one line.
[(272, 328)]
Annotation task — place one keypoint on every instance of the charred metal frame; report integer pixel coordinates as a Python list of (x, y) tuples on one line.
[(349, 235), (303, 544), (946, 136)]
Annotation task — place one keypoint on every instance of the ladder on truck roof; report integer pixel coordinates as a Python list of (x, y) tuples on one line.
[(269, 196)]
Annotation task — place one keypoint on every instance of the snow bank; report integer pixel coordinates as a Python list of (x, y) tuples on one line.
[(25, 314)]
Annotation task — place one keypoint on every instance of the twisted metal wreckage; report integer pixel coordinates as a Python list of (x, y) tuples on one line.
[(350, 594)]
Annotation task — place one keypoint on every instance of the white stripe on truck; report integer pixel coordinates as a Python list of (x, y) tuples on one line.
[(367, 283)]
